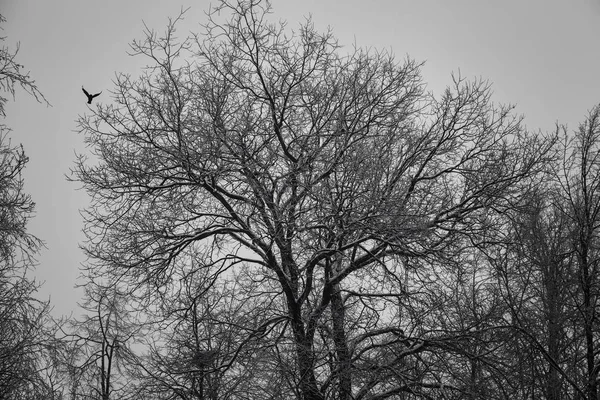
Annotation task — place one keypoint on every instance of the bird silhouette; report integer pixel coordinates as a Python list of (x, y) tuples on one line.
[(90, 96)]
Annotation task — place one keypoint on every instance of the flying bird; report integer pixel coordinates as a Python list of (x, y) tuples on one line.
[(90, 96)]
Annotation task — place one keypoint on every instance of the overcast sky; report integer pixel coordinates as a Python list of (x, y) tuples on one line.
[(541, 55)]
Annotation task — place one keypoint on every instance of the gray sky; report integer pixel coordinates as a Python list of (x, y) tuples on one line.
[(541, 55)]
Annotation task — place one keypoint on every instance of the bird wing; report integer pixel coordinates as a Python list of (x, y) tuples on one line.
[(85, 91), (97, 94)]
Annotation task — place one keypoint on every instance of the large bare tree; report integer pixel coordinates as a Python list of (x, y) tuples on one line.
[(328, 176)]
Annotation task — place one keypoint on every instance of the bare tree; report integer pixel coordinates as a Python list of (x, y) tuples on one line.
[(96, 346), (17, 246), (533, 262), (580, 182), (193, 339), (274, 153), (545, 258), (24, 338)]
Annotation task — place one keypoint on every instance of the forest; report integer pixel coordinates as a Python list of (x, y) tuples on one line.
[(274, 217)]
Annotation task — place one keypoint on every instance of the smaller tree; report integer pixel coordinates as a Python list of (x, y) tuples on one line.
[(95, 346), (205, 341), (579, 178), (24, 339)]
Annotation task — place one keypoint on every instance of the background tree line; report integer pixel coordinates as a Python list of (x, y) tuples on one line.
[(274, 217)]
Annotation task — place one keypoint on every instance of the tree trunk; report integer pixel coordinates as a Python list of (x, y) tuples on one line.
[(343, 369), (592, 390), (553, 379), (304, 355)]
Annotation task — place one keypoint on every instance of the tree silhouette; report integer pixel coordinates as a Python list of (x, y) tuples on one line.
[(25, 339), (308, 172)]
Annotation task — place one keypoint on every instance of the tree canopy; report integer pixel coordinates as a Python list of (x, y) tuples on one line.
[(327, 180)]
